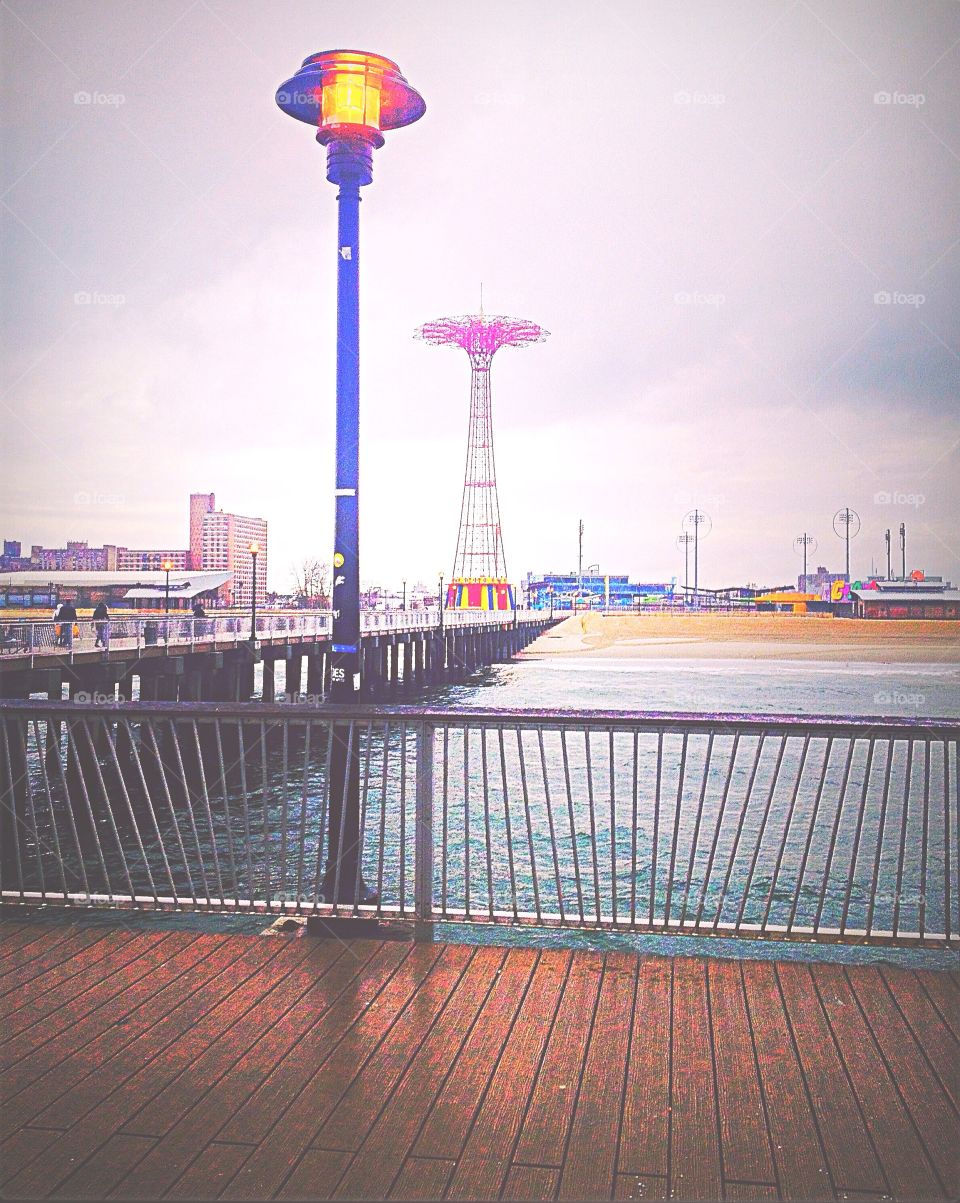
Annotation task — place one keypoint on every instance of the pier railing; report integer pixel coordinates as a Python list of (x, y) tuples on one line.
[(183, 632), (772, 826)]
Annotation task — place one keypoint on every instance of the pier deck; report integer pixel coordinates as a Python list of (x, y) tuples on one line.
[(149, 1064)]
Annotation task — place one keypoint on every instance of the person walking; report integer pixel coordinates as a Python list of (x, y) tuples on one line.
[(67, 617), (101, 622), (199, 613), (57, 629)]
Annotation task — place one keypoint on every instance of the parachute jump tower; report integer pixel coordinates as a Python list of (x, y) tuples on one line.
[(479, 580)]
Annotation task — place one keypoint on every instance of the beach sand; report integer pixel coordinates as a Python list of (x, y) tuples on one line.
[(751, 637)]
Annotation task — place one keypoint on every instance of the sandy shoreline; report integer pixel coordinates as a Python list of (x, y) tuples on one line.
[(751, 637)]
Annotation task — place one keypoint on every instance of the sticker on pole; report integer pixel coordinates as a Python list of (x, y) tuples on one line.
[(338, 559), (344, 649)]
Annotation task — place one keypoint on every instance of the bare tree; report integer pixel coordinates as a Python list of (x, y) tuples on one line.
[(311, 584)]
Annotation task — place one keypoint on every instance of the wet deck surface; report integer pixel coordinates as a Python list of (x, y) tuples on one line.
[(184, 1065)]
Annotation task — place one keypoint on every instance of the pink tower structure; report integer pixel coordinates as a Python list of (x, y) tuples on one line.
[(480, 568)]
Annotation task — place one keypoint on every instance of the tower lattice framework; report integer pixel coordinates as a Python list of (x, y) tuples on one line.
[(480, 559)]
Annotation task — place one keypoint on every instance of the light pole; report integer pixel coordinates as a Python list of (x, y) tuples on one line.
[(166, 565), (579, 567), (350, 97), (254, 548), (802, 543), (846, 525), (886, 538), (903, 551), (684, 541), (440, 602), (404, 606), (693, 521)]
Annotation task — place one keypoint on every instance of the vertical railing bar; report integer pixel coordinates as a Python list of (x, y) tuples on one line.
[(45, 778), (208, 810), (423, 827), (633, 829), (708, 870), (302, 837), (486, 820), (593, 823), (655, 843), (881, 832), (263, 804), (762, 830), (351, 726), (445, 845), (381, 858), (947, 883), (506, 820), (325, 808), (553, 834), (786, 831), (613, 828), (695, 839), (529, 825), (247, 832), (14, 824), (136, 826), (466, 820), (192, 817), (898, 891), (173, 813), (71, 740), (815, 811), (226, 811), (403, 814), (922, 917), (23, 730), (681, 776), (828, 868), (861, 815), (573, 825), (364, 794), (62, 756), (284, 799)]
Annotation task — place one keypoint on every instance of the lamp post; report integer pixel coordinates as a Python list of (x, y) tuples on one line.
[(803, 542), (254, 548), (350, 97), (903, 551), (846, 525), (693, 521), (576, 601), (440, 602), (886, 539), (166, 565), (404, 606), (684, 541)]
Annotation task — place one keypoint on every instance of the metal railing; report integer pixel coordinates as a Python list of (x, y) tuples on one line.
[(33, 638), (823, 828)]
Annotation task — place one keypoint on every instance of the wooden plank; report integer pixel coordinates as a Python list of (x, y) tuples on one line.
[(21, 1148), (544, 1133), (640, 1186), (799, 1160), (483, 1167), (927, 1102), (531, 1182), (846, 1142), (208, 1174), (590, 1164), (212, 1111), (357, 1110), (53, 948), (750, 1191), (92, 1179), (695, 1171), (422, 1178), (267, 1167), (136, 1071), (943, 993), (316, 1175), (448, 1125), (645, 1136), (14, 935), (45, 1073), (931, 1033), (744, 1139), (901, 1154), (373, 1169), (89, 968), (57, 966)]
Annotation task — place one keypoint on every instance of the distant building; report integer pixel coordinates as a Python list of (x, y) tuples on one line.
[(226, 545), (820, 583), (566, 591), (119, 589), (929, 597), (201, 504)]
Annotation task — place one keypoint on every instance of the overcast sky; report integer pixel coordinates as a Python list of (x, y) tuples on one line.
[(738, 220)]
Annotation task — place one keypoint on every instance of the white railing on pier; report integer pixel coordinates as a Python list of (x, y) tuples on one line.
[(749, 825)]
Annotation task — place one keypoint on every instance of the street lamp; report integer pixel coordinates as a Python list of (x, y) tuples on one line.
[(692, 522), (886, 539), (254, 548), (404, 606), (440, 602), (903, 551), (684, 541), (350, 97), (166, 566), (846, 525), (802, 543)]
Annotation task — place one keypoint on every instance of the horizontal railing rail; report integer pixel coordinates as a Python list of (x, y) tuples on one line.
[(179, 631), (778, 826)]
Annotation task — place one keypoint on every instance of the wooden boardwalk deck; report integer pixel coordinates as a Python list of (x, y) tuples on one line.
[(168, 1064)]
